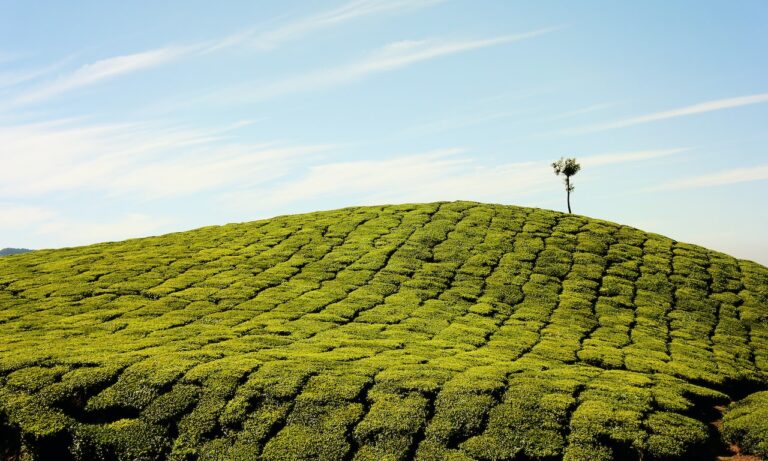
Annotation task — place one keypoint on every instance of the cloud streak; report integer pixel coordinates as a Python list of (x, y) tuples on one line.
[(721, 178), (583, 110), (346, 13), (391, 57), (112, 67), (102, 70), (213, 169), (129, 225), (444, 174), (9, 79), (626, 157), (142, 160), (709, 106), (16, 217)]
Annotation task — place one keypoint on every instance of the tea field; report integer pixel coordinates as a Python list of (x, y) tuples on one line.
[(441, 331)]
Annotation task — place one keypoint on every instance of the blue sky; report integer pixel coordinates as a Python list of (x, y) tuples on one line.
[(125, 119)]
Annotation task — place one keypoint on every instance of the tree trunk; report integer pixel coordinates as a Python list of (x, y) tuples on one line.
[(568, 190)]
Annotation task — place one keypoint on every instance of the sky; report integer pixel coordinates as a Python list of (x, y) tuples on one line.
[(128, 119)]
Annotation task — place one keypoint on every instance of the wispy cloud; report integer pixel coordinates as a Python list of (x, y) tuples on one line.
[(487, 110), (108, 68), (128, 166), (12, 78), (583, 110), (700, 108), (223, 167), (720, 178), (324, 20), (141, 159), (444, 174), (35, 220), (102, 70), (626, 157), (141, 162), (395, 175), (456, 123), (391, 57), (83, 232), (17, 217), (435, 175)]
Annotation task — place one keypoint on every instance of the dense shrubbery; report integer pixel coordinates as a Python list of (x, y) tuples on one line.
[(439, 331), (747, 423)]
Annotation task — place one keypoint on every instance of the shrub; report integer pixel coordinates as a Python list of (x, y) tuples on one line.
[(436, 331)]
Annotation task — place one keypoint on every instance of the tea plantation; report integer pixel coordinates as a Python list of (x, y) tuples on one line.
[(442, 331)]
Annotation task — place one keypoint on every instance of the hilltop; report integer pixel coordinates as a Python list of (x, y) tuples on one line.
[(433, 331)]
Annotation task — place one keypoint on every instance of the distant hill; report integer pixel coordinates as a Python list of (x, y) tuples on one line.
[(457, 331), (13, 251)]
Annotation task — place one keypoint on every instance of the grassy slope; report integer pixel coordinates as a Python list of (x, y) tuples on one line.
[(436, 331)]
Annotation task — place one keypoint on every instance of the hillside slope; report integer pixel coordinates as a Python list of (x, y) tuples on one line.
[(435, 331)]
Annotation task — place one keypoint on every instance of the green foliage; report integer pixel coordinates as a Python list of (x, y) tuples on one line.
[(445, 331), (746, 423), (124, 440)]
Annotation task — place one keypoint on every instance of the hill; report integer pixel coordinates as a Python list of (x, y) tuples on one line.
[(13, 251), (434, 331)]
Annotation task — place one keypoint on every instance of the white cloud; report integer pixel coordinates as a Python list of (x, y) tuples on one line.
[(700, 108), (437, 175), (358, 182), (16, 217), (733, 176), (104, 69), (12, 78), (55, 156), (583, 110), (625, 157), (60, 230), (70, 232), (115, 66), (211, 169), (327, 19), (390, 57), (141, 159), (458, 122)]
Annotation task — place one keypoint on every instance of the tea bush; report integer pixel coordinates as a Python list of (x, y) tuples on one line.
[(454, 331)]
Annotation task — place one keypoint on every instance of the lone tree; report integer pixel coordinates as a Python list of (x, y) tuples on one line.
[(567, 167)]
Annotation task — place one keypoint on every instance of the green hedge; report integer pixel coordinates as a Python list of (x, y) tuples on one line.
[(441, 331)]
